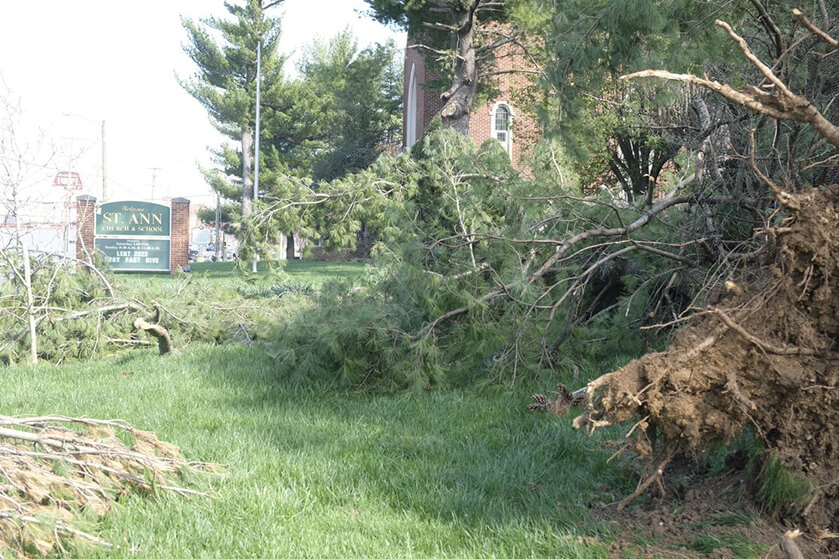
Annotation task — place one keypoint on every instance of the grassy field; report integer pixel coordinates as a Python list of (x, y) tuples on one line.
[(317, 472), (304, 272), (333, 474)]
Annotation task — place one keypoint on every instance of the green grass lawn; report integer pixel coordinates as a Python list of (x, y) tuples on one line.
[(306, 272), (310, 473)]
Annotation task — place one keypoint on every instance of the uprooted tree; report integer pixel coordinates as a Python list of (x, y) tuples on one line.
[(763, 351), (487, 275)]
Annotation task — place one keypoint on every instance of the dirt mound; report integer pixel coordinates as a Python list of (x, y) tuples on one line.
[(764, 353), (704, 514)]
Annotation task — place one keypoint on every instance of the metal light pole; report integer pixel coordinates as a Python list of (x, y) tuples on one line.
[(256, 145), (262, 7)]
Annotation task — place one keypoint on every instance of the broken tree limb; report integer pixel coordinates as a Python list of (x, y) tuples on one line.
[(781, 103), (54, 466), (561, 251), (814, 30), (87, 264), (164, 342), (100, 310)]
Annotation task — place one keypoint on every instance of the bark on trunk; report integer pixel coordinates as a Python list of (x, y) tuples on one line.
[(164, 342), (247, 184), (30, 306), (459, 97)]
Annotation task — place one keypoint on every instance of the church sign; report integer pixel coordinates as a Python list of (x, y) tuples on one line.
[(134, 236)]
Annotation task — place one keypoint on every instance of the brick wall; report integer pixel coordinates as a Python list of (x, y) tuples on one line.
[(85, 225), (429, 103), (180, 234), (511, 89)]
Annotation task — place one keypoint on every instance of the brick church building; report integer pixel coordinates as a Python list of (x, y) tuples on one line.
[(500, 117)]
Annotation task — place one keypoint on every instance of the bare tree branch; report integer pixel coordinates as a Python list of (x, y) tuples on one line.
[(814, 30)]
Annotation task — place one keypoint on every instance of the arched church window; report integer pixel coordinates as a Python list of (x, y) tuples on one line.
[(411, 109), (502, 126)]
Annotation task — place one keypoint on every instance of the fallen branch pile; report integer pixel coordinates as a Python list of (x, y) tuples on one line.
[(52, 468)]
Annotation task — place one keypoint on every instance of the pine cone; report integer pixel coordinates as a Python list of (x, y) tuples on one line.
[(540, 403), (564, 393)]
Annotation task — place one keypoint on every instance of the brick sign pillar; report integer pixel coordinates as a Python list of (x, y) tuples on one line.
[(180, 234), (85, 225)]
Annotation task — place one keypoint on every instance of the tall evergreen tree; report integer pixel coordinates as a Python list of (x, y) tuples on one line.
[(363, 91), (225, 83)]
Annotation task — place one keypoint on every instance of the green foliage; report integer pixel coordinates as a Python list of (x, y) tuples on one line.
[(621, 134), (273, 290), (224, 83), (447, 224), (362, 91), (780, 490), (737, 543), (77, 320), (337, 117)]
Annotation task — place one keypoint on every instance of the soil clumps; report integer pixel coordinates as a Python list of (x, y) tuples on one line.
[(764, 352)]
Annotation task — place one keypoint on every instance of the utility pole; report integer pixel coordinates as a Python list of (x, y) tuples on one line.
[(102, 137), (154, 171)]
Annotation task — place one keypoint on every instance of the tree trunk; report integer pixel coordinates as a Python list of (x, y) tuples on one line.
[(459, 97), (247, 184), (30, 305)]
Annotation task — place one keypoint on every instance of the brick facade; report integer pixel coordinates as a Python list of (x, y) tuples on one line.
[(179, 234), (510, 86), (428, 102), (85, 225)]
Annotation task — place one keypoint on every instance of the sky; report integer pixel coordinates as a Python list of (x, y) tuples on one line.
[(72, 65)]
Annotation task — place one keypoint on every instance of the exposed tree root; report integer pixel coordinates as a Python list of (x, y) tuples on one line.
[(654, 477), (765, 355), (789, 547), (52, 468)]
